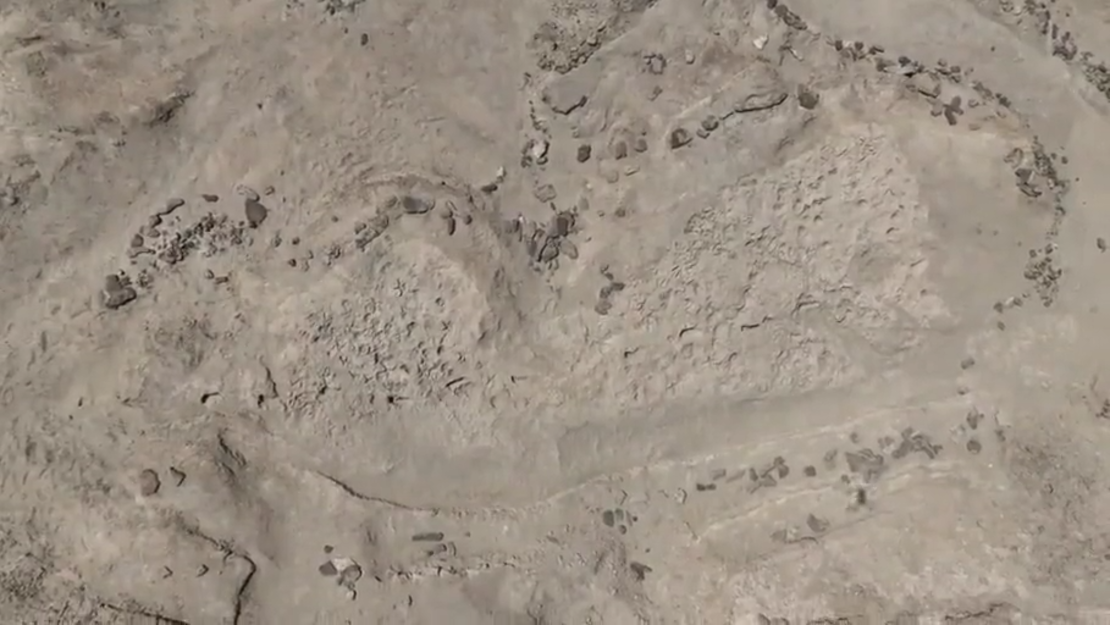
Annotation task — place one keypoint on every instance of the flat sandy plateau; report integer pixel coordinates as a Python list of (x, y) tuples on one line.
[(586, 312)]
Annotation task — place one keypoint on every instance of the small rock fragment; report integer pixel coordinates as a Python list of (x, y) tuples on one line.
[(679, 138), (807, 99), (172, 204), (178, 476), (328, 569), (210, 197), (584, 151), (640, 570), (1101, 243), (431, 537), (255, 212), (710, 123), (640, 144), (116, 293), (817, 524), (247, 192), (967, 363), (413, 205), (926, 84), (137, 240), (656, 63), (568, 249), (974, 446), (545, 193), (149, 483), (449, 220), (620, 149)]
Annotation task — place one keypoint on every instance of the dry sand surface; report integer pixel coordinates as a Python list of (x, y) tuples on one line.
[(584, 312)]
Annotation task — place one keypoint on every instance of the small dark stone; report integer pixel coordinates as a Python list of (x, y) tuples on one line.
[(974, 417), (620, 150), (210, 197), (711, 123), (1101, 243), (172, 204), (137, 240), (974, 446), (640, 570), (363, 39), (679, 138), (817, 524), (608, 518), (415, 206), (810, 471), (545, 193), (427, 537), (584, 152), (149, 482), (967, 363), (807, 99), (640, 144), (328, 569), (562, 224), (255, 212)]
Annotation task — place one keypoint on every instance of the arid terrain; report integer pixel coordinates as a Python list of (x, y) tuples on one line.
[(586, 312)]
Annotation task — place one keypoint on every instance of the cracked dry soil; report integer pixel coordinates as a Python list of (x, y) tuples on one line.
[(614, 312)]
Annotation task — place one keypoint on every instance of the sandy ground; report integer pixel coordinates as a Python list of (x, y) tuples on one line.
[(585, 312)]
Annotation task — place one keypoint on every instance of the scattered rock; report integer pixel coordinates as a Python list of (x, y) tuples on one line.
[(810, 471), (562, 224), (974, 418), (913, 441), (568, 249), (640, 570), (571, 91), (974, 446), (413, 205), (710, 123), (349, 575), (149, 483), (178, 476), (117, 292), (430, 537), (620, 149), (789, 17), (926, 84), (1101, 243), (967, 363), (210, 197), (866, 463), (450, 224), (807, 99), (816, 524), (172, 204), (137, 240), (545, 193), (656, 63), (679, 137), (255, 212), (328, 569), (247, 192), (640, 144), (583, 154)]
